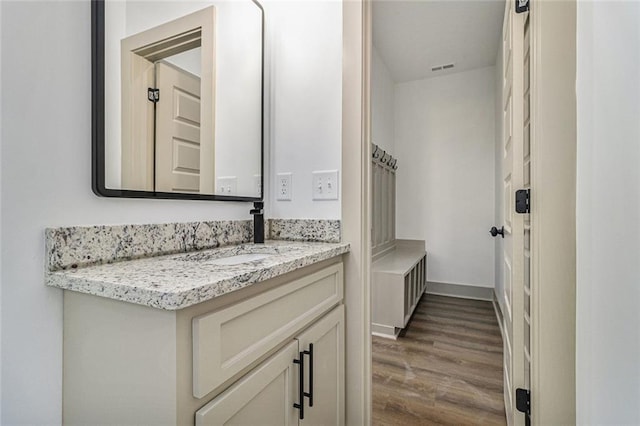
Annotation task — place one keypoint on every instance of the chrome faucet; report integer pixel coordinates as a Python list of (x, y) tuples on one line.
[(258, 222)]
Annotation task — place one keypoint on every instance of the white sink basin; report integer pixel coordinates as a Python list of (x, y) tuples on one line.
[(239, 258)]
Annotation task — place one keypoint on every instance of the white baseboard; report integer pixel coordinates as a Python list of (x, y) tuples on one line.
[(385, 331), (459, 290)]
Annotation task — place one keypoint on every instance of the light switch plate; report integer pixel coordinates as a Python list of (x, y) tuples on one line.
[(325, 185), (227, 185), (284, 186)]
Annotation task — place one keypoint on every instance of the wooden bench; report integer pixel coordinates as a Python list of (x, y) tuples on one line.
[(398, 281)]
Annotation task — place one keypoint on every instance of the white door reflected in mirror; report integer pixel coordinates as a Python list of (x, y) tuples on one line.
[(183, 96), (177, 132)]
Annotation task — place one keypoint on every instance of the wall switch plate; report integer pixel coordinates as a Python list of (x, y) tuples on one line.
[(325, 185), (284, 186), (227, 185)]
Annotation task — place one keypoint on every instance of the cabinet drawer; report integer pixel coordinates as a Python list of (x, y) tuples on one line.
[(228, 341)]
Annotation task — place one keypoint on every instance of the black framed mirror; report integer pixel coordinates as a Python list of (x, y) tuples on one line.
[(177, 99)]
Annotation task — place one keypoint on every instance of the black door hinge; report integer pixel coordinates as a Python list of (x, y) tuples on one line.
[(523, 404), (153, 95), (522, 201), (522, 6)]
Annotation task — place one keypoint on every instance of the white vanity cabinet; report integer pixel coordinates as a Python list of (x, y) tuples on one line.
[(229, 360), (271, 393)]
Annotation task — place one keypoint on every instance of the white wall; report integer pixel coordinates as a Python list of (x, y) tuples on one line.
[(608, 209), (445, 147), (382, 104), (306, 114), (46, 175), (46, 181)]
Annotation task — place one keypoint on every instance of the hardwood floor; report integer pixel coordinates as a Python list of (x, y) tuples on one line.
[(446, 369)]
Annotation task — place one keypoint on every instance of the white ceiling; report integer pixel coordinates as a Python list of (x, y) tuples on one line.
[(414, 36)]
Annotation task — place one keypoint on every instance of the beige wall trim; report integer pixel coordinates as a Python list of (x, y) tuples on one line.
[(383, 202), (356, 214), (498, 311), (459, 290), (553, 203)]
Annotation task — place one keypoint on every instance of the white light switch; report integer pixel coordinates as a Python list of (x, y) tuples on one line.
[(284, 186), (325, 185), (226, 185)]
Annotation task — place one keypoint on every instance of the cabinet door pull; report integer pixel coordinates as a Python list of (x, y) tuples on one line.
[(310, 393), (301, 393)]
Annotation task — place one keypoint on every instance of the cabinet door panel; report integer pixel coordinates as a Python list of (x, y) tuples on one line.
[(265, 396), (327, 337)]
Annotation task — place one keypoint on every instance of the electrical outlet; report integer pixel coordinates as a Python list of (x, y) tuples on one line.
[(226, 185), (325, 185), (284, 186)]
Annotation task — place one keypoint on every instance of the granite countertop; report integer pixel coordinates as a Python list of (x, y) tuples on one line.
[(177, 281)]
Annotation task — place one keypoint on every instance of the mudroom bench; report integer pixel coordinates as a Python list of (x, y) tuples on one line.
[(398, 281)]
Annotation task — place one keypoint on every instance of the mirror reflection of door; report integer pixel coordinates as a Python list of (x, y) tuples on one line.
[(165, 147), (228, 36), (177, 130)]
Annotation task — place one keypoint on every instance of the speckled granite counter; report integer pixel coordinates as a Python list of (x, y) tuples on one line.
[(180, 280)]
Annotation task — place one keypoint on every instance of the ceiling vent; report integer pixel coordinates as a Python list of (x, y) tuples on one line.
[(443, 67)]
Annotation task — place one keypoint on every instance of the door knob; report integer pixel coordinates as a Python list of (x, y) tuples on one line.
[(495, 231)]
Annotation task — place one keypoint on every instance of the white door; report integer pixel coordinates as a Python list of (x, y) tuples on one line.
[(324, 370), (516, 176), (265, 396), (177, 130)]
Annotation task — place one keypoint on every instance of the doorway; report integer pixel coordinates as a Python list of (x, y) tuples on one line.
[(436, 98), (544, 23)]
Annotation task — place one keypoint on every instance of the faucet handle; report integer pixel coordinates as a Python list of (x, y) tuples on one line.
[(257, 207)]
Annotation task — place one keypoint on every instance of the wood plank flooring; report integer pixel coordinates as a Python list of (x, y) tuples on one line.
[(446, 369)]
